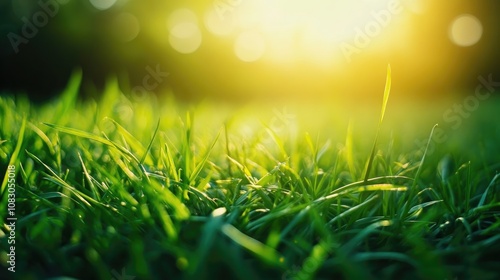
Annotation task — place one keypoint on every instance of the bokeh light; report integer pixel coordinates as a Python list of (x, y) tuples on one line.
[(217, 25), (102, 4), (185, 34), (126, 27), (465, 30), (249, 46)]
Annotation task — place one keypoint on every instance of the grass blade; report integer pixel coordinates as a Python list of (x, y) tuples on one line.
[(261, 250), (15, 154), (200, 165), (387, 90)]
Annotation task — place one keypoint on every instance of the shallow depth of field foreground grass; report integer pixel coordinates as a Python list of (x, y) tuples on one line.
[(134, 188)]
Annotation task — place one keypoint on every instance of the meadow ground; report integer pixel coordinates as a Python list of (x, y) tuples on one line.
[(142, 188)]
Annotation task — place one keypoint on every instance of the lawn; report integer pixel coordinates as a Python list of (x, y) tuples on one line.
[(152, 188)]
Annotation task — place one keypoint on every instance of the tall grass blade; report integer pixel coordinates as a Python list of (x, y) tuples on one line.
[(150, 143), (419, 170), (201, 164), (15, 154), (95, 192), (485, 194), (207, 239), (351, 244), (68, 97), (349, 151), (93, 137), (168, 162), (258, 248), (387, 91), (353, 209)]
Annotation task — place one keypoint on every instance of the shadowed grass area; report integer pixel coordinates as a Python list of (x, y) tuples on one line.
[(154, 189)]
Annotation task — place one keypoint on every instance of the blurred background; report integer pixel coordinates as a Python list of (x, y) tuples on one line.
[(238, 50)]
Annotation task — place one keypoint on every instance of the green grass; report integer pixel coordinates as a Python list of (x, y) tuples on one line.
[(157, 189)]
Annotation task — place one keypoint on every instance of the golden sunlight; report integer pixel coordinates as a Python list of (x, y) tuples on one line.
[(319, 31), (330, 48)]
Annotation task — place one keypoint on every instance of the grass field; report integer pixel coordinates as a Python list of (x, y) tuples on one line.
[(142, 188)]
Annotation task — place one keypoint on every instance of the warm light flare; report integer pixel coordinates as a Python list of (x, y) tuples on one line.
[(329, 47), (317, 31)]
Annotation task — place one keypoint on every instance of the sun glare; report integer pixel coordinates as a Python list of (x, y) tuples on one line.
[(315, 30), (318, 31), (324, 45)]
